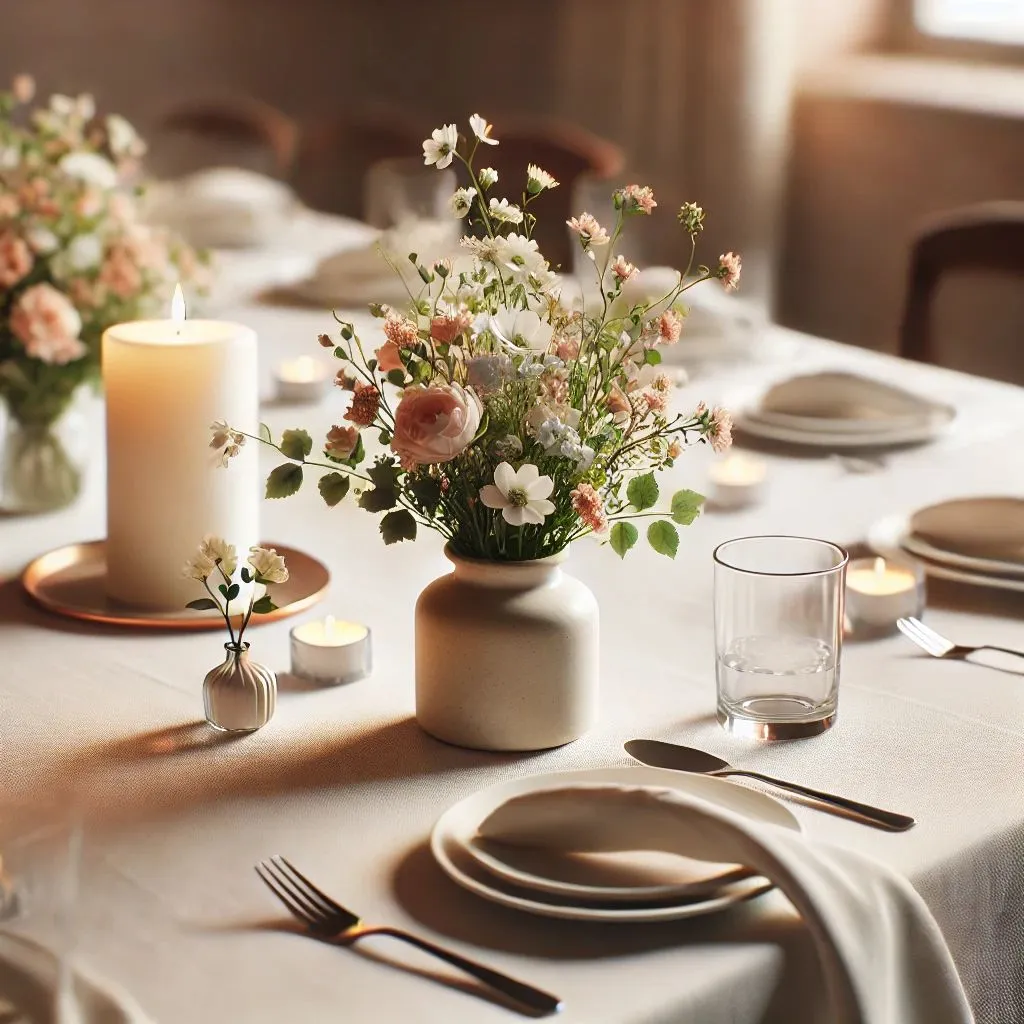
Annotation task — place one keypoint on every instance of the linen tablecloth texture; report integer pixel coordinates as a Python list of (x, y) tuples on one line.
[(882, 954), (344, 783)]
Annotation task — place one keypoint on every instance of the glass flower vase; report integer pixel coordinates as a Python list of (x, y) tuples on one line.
[(42, 461), (239, 695)]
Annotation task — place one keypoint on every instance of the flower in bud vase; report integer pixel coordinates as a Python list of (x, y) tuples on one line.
[(239, 695)]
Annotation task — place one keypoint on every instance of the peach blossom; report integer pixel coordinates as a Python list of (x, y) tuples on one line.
[(389, 358), (46, 323), (15, 259), (435, 424)]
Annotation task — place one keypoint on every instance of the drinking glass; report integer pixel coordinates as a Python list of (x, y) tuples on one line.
[(778, 635)]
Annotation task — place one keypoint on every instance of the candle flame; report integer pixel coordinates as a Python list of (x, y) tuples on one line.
[(178, 305), (879, 566), (329, 627)]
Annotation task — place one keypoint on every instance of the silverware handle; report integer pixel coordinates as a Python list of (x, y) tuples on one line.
[(534, 998), (1001, 650), (889, 819)]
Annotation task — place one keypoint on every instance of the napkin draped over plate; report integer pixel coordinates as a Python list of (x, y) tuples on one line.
[(884, 958)]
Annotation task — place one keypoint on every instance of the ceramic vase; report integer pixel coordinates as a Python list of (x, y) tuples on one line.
[(506, 655), (239, 695)]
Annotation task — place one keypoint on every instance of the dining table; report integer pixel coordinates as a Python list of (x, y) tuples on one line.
[(344, 783)]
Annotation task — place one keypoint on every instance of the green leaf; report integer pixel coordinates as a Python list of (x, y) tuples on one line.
[(396, 377), (426, 490), (246, 577), (378, 499), (643, 492), (296, 444), (384, 474), (686, 506), (202, 604), (223, 590), (623, 536), (333, 487), (398, 526), (265, 434), (263, 605), (652, 357), (663, 537), (233, 591), (284, 481)]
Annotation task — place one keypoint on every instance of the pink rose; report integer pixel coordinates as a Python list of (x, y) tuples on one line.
[(389, 357), (341, 442), (435, 424), (46, 323), (15, 259)]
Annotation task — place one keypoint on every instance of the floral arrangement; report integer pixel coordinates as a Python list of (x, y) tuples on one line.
[(510, 422), (74, 255), (214, 565)]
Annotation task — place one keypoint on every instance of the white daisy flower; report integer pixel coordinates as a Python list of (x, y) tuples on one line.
[(487, 177), (522, 495), (537, 180), (440, 147), (482, 130), (521, 258), (461, 201), (505, 212)]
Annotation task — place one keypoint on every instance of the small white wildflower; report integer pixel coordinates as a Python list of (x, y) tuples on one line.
[(482, 130), (487, 177), (505, 212), (461, 201), (538, 179), (440, 147)]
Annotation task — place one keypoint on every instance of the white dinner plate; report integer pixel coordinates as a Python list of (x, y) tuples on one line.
[(816, 432), (887, 537), (451, 844)]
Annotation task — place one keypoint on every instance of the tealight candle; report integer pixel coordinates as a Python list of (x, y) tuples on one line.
[(329, 651), (878, 593), (301, 380), (736, 481)]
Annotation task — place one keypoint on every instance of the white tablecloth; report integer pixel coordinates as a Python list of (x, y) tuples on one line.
[(344, 783)]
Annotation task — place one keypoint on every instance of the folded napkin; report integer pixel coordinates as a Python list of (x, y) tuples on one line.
[(884, 958)]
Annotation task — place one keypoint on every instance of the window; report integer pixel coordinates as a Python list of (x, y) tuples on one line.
[(996, 21)]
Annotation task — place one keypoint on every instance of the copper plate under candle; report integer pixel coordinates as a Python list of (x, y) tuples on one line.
[(71, 581)]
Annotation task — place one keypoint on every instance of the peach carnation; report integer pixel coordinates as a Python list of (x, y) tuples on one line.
[(46, 323), (670, 326), (341, 442), (622, 268), (399, 330), (638, 198), (729, 268), (446, 327), (365, 405), (588, 506), (15, 259), (589, 230), (717, 426), (566, 348), (120, 273)]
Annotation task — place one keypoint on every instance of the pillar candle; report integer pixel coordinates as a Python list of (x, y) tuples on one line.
[(166, 382)]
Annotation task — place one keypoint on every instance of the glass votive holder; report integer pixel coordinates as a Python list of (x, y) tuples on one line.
[(330, 652), (880, 591), (301, 380)]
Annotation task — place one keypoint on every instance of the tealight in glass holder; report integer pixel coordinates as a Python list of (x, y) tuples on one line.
[(878, 592)]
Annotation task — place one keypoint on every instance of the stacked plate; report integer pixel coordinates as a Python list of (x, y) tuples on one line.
[(839, 410), (970, 540), (638, 885)]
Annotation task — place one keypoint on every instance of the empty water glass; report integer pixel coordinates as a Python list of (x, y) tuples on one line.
[(778, 635)]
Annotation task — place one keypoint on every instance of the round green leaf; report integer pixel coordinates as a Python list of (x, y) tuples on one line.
[(333, 487), (623, 536), (296, 444), (643, 492), (284, 481), (686, 506), (663, 537)]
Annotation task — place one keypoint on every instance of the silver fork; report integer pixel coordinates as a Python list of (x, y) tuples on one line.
[(329, 920), (938, 646)]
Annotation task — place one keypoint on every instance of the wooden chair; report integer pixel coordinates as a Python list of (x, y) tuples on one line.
[(564, 150), (335, 154), (241, 132), (984, 237)]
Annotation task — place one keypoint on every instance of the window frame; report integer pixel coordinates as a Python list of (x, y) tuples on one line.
[(907, 37)]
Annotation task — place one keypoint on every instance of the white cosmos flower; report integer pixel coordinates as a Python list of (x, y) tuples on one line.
[(505, 212), (461, 201), (538, 179), (84, 252), (220, 552), (42, 240), (520, 256), (487, 177), (522, 328), (123, 138), (522, 495), (486, 249), (268, 565), (482, 130), (91, 168), (440, 147)]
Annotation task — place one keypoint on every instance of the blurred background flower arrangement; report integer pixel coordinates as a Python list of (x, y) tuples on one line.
[(75, 257), (522, 420)]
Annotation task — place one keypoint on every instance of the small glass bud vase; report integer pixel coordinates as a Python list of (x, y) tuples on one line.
[(239, 695)]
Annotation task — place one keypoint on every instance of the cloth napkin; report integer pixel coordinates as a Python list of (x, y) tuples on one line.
[(884, 958)]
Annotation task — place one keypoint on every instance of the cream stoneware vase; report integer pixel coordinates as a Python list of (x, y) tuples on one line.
[(506, 655)]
